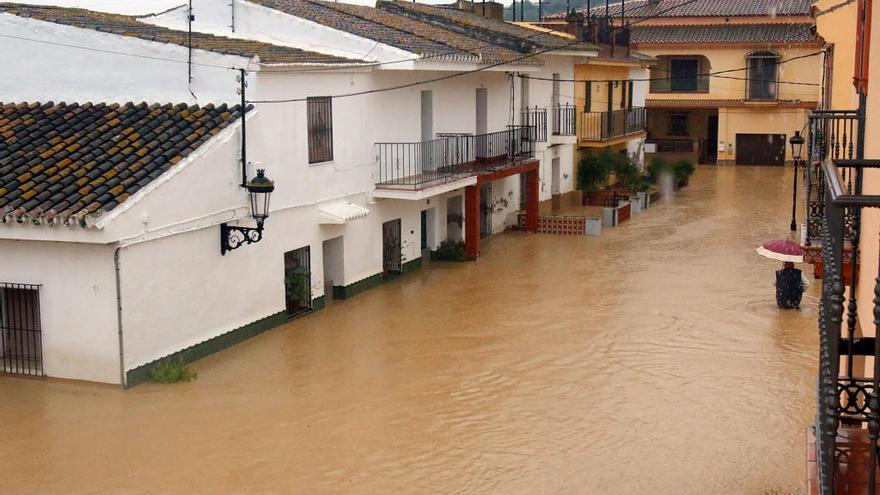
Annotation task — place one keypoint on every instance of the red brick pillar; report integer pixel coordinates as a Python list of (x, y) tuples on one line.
[(532, 201), (472, 221)]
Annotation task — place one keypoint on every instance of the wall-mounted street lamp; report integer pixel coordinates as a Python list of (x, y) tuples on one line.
[(260, 189), (797, 144)]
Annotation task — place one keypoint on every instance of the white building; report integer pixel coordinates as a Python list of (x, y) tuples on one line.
[(111, 215)]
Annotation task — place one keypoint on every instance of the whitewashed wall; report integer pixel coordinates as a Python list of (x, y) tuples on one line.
[(44, 72), (77, 304)]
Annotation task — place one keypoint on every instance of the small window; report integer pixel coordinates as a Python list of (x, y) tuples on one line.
[(320, 119), (678, 124), (762, 74)]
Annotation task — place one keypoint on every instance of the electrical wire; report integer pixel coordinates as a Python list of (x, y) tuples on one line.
[(707, 74)]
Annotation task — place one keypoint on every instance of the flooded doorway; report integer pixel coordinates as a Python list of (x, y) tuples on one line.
[(333, 251), (298, 281), (555, 187), (485, 210), (391, 246), (427, 232), (454, 218)]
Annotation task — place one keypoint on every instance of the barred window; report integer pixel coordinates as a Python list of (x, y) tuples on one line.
[(320, 119)]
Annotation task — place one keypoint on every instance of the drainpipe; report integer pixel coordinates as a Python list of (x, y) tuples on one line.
[(122, 377)]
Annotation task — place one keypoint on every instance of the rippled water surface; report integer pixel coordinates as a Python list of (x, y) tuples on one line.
[(650, 360)]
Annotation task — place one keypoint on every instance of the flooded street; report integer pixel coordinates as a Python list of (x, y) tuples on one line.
[(649, 360)]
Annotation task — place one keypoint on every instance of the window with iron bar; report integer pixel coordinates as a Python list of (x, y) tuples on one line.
[(320, 121)]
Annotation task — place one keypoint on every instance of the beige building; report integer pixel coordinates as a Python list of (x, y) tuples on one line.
[(734, 79)]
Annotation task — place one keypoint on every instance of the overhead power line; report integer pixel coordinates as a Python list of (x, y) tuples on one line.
[(717, 74)]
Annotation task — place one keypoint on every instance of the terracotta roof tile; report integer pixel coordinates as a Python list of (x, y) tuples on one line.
[(703, 8), (45, 182), (512, 36), (392, 28), (725, 33), (130, 26)]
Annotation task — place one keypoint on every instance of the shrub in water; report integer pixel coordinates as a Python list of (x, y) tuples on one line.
[(171, 371), (683, 169), (450, 251)]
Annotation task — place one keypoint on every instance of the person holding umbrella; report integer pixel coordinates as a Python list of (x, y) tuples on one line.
[(790, 282)]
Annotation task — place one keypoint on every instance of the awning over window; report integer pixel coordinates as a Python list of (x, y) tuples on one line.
[(339, 212)]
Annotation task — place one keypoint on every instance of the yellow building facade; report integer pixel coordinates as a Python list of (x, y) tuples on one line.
[(733, 80)]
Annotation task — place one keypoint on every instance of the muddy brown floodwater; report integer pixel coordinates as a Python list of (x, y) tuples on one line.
[(650, 360)]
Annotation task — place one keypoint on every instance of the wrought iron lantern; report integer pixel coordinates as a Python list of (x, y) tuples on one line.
[(797, 145), (260, 190)]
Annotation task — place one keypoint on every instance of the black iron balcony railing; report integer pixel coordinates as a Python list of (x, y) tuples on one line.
[(697, 84), (450, 157), (564, 120), (601, 30), (601, 126), (833, 135), (844, 400), (536, 118)]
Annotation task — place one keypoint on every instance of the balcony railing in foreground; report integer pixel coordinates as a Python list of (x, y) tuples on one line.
[(833, 135), (845, 401), (536, 118), (451, 157), (602, 126)]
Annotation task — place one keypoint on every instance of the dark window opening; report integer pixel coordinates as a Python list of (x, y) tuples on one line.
[(21, 344), (683, 73), (320, 121), (762, 75), (678, 124)]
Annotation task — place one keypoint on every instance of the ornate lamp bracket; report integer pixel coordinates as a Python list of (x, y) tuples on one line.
[(233, 237)]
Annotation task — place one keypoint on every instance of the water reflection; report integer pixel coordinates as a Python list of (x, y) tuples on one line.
[(649, 360)]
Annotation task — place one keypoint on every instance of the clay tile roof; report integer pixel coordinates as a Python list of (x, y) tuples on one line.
[(514, 37), (726, 33), (392, 28), (130, 26), (72, 162), (704, 8)]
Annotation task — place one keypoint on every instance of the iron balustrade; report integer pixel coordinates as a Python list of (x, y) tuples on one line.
[(833, 135), (601, 126), (451, 156), (536, 118), (601, 30), (844, 398), (698, 84), (564, 120)]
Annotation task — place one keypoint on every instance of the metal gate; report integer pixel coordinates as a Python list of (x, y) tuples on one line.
[(298, 281), (485, 210), (760, 149), (21, 344), (391, 262)]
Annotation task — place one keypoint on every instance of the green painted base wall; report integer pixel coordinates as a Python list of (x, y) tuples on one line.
[(346, 291), (191, 354)]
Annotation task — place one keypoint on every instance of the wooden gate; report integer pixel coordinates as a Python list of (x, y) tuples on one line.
[(391, 248)]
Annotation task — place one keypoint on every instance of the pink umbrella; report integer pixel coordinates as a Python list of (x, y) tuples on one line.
[(782, 250)]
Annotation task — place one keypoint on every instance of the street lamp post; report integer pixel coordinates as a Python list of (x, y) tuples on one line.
[(797, 143)]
